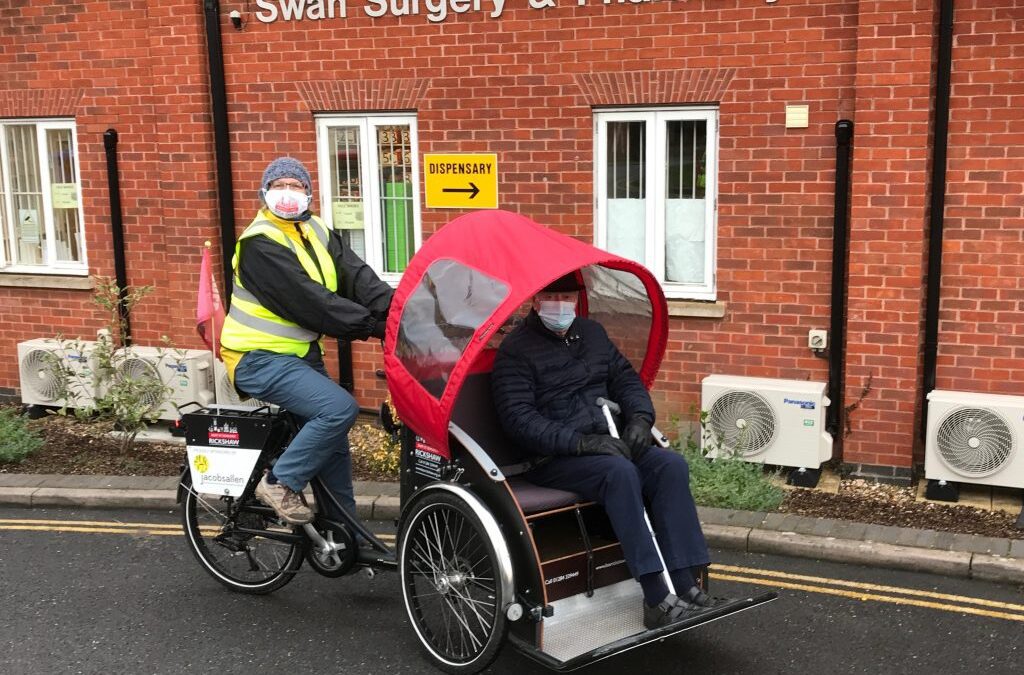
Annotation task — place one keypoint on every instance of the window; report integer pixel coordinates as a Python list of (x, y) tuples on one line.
[(655, 186), (369, 187), (40, 198)]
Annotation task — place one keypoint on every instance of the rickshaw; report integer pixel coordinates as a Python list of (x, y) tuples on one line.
[(485, 558)]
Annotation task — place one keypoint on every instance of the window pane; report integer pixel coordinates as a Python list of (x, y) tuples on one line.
[(5, 244), (27, 196), (64, 193), (626, 189), (394, 152), (685, 206), (346, 189)]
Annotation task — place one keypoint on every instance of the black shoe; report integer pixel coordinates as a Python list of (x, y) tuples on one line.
[(699, 598), (669, 611)]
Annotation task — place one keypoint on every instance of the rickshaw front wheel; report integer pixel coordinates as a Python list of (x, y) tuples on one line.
[(450, 584)]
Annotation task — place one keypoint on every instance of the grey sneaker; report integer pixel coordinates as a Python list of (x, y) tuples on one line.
[(286, 502)]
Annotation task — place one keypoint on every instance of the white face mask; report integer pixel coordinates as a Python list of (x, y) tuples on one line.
[(287, 204), (557, 315)]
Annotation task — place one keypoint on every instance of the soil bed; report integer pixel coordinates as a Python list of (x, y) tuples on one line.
[(72, 447), (76, 448)]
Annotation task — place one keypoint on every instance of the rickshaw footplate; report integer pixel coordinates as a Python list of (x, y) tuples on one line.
[(584, 630)]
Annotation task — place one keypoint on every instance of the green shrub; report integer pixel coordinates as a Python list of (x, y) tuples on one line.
[(729, 483), (17, 441)]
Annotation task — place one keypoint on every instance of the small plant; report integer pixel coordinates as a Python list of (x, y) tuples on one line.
[(375, 451), (17, 441), (726, 481), (126, 395)]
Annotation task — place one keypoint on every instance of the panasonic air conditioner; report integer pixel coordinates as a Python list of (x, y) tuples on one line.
[(974, 438), (767, 421), (40, 364), (186, 374), (228, 396)]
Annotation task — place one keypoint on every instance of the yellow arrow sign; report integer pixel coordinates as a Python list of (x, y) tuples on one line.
[(461, 181)]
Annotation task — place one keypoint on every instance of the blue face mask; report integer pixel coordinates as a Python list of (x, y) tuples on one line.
[(557, 315)]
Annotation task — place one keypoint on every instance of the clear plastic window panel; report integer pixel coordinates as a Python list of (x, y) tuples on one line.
[(626, 189), (394, 154), (26, 196), (347, 208), (440, 318), (685, 204), (618, 301), (64, 194)]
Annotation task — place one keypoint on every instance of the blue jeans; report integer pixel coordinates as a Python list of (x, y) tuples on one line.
[(661, 478), (325, 411)]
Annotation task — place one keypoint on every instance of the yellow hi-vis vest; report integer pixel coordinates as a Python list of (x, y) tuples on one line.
[(249, 325)]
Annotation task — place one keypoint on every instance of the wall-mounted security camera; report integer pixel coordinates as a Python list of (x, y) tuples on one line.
[(236, 19)]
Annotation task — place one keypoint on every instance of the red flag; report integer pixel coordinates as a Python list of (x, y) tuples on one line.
[(209, 310)]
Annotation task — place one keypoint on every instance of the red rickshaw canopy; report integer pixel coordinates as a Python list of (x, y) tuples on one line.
[(466, 281)]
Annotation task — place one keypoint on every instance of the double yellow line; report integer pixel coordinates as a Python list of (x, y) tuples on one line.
[(854, 590), (866, 592), (111, 527)]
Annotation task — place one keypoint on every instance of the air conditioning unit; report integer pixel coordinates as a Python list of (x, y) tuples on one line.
[(975, 438), (39, 364), (227, 395), (766, 421), (188, 375)]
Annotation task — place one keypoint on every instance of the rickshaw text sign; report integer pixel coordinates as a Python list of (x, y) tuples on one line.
[(461, 181)]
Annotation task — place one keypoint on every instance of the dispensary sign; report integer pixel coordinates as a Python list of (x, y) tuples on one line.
[(269, 11), (460, 181)]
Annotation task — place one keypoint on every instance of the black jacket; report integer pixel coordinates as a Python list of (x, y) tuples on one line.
[(275, 276), (545, 387)]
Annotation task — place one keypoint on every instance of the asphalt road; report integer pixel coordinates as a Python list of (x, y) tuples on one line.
[(132, 601)]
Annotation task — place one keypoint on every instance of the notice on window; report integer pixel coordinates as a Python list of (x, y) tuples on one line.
[(64, 195), (347, 215), (28, 226)]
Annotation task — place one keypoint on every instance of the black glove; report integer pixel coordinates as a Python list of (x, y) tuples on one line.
[(637, 435), (599, 444)]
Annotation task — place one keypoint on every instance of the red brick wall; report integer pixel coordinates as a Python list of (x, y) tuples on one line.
[(888, 229), (981, 328), (524, 86)]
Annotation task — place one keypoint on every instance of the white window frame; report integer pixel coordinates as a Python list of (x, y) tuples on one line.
[(656, 176), (54, 266), (369, 170)]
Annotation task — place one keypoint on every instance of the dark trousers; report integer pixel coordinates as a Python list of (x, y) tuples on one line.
[(661, 478)]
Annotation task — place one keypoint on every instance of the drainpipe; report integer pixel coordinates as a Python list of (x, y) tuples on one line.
[(117, 230), (840, 228), (938, 205), (221, 140), (346, 376)]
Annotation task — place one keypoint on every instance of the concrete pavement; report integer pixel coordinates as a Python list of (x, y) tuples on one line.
[(958, 555)]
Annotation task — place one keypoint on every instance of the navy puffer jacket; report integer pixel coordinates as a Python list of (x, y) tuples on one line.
[(545, 386)]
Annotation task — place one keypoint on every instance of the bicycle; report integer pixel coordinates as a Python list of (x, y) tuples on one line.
[(242, 542)]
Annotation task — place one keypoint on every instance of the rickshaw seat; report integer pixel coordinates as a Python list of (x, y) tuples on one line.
[(534, 498), (475, 413)]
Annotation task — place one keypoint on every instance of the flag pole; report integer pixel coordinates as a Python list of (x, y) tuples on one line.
[(213, 319)]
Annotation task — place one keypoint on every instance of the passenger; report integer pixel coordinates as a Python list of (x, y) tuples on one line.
[(295, 282), (547, 376)]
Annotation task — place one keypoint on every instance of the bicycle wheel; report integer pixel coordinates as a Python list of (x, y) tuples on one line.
[(450, 585), (244, 562)]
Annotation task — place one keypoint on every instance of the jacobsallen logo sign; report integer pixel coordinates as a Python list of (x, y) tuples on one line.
[(433, 10)]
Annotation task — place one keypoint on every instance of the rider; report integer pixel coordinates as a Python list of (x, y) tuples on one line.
[(294, 282), (547, 376)]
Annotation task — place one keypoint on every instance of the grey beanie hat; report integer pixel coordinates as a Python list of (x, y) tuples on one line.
[(287, 167)]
